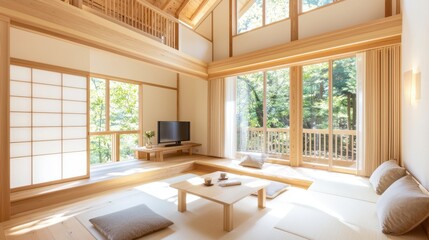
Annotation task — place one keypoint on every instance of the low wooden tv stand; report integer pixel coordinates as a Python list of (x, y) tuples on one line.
[(143, 152)]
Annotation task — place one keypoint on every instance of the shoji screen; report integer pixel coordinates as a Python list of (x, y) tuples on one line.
[(48, 126)]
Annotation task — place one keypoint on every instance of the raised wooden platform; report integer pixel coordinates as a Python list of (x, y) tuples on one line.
[(117, 175)]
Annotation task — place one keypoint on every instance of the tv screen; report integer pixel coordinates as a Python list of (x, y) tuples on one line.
[(173, 132)]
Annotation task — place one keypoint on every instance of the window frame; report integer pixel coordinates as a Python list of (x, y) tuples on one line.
[(283, 158), (116, 134), (264, 24)]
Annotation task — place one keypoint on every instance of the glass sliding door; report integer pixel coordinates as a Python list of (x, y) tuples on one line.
[(315, 114), (262, 112), (329, 114), (344, 113), (277, 101), (250, 112)]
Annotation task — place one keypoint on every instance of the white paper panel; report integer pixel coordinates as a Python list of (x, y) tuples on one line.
[(46, 119), (48, 147), (74, 132), (22, 89), (20, 134), (46, 133), (20, 119), (42, 76), (46, 168), (20, 104), (74, 145), (46, 105), (70, 120), (20, 172), (74, 164), (46, 91), (19, 73), (74, 107), (20, 149), (74, 94), (74, 81)]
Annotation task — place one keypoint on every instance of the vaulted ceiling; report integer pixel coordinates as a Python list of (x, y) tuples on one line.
[(191, 12)]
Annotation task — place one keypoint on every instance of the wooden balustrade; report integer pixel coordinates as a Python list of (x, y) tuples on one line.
[(315, 143), (138, 15)]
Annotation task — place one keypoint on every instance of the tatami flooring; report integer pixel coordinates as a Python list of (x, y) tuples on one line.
[(203, 220)]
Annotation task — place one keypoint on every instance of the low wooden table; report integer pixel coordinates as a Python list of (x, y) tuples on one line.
[(143, 152), (226, 196)]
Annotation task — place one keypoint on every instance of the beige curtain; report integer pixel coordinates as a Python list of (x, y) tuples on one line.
[(216, 117), (382, 107)]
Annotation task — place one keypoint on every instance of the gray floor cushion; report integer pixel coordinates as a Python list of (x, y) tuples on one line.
[(130, 223), (274, 189)]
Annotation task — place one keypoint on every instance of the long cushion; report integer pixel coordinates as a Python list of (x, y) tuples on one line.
[(386, 174), (130, 223), (402, 207), (253, 160)]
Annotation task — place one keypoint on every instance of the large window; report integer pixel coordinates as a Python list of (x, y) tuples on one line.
[(250, 13), (329, 113), (262, 108), (114, 120), (307, 5)]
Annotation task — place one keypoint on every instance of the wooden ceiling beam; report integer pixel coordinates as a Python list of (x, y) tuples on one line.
[(180, 9), (67, 22), (166, 5), (198, 10), (386, 31)]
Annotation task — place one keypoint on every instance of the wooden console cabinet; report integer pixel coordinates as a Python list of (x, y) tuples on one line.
[(143, 152)]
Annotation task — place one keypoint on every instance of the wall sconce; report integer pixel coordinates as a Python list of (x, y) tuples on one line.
[(412, 84), (416, 86)]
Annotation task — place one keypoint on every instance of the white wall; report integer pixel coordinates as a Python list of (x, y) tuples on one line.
[(221, 31), (195, 45), (159, 104), (44, 49), (111, 64), (193, 105), (415, 114), (205, 28), (39, 48), (262, 38), (338, 16)]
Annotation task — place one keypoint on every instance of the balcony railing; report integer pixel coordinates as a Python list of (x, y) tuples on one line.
[(315, 143), (138, 15)]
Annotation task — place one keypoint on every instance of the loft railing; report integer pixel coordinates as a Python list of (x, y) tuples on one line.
[(138, 15), (315, 143)]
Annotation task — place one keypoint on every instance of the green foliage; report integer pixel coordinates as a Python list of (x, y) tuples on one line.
[(124, 115), (315, 93), (278, 98), (124, 106), (101, 149)]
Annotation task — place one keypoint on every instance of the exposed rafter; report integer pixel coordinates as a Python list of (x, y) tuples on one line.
[(180, 9), (166, 4), (200, 7)]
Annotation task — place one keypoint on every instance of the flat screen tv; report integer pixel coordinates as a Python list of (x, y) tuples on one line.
[(173, 132)]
